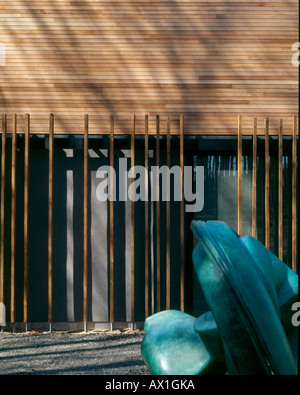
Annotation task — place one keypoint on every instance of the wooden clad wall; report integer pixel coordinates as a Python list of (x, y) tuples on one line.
[(209, 60)]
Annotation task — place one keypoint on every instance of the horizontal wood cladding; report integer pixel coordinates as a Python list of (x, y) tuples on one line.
[(208, 60)]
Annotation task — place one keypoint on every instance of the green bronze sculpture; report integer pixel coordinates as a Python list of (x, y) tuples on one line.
[(248, 329)]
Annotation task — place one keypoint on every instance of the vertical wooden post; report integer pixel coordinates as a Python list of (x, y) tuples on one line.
[(280, 196), (168, 285), (111, 219), (240, 175), (26, 210), (254, 178), (294, 196), (13, 220), (132, 224), (182, 215), (3, 182), (50, 223), (146, 219), (85, 220), (157, 222), (267, 186)]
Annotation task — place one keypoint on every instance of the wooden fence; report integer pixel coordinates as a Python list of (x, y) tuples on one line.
[(157, 132)]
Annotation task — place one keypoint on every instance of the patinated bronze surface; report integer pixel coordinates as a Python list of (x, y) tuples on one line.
[(248, 329)]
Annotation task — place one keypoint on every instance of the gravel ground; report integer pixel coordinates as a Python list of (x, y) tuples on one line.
[(72, 353)]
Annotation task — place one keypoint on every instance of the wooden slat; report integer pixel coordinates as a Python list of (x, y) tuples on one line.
[(267, 186), (146, 218), (132, 224), (280, 193), (157, 219), (240, 176), (168, 263), (3, 183), (26, 213), (85, 219), (294, 196), (254, 178), (111, 220), (13, 221), (50, 221), (182, 250)]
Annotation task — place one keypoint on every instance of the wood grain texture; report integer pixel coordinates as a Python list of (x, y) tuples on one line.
[(168, 222), (26, 218), (85, 218), (240, 176), (254, 179), (111, 223), (208, 60), (280, 192), (147, 239), (157, 213), (50, 219), (13, 222), (267, 185), (132, 237), (182, 227), (294, 196), (2, 225)]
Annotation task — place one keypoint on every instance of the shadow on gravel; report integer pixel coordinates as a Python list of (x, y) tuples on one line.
[(67, 353)]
